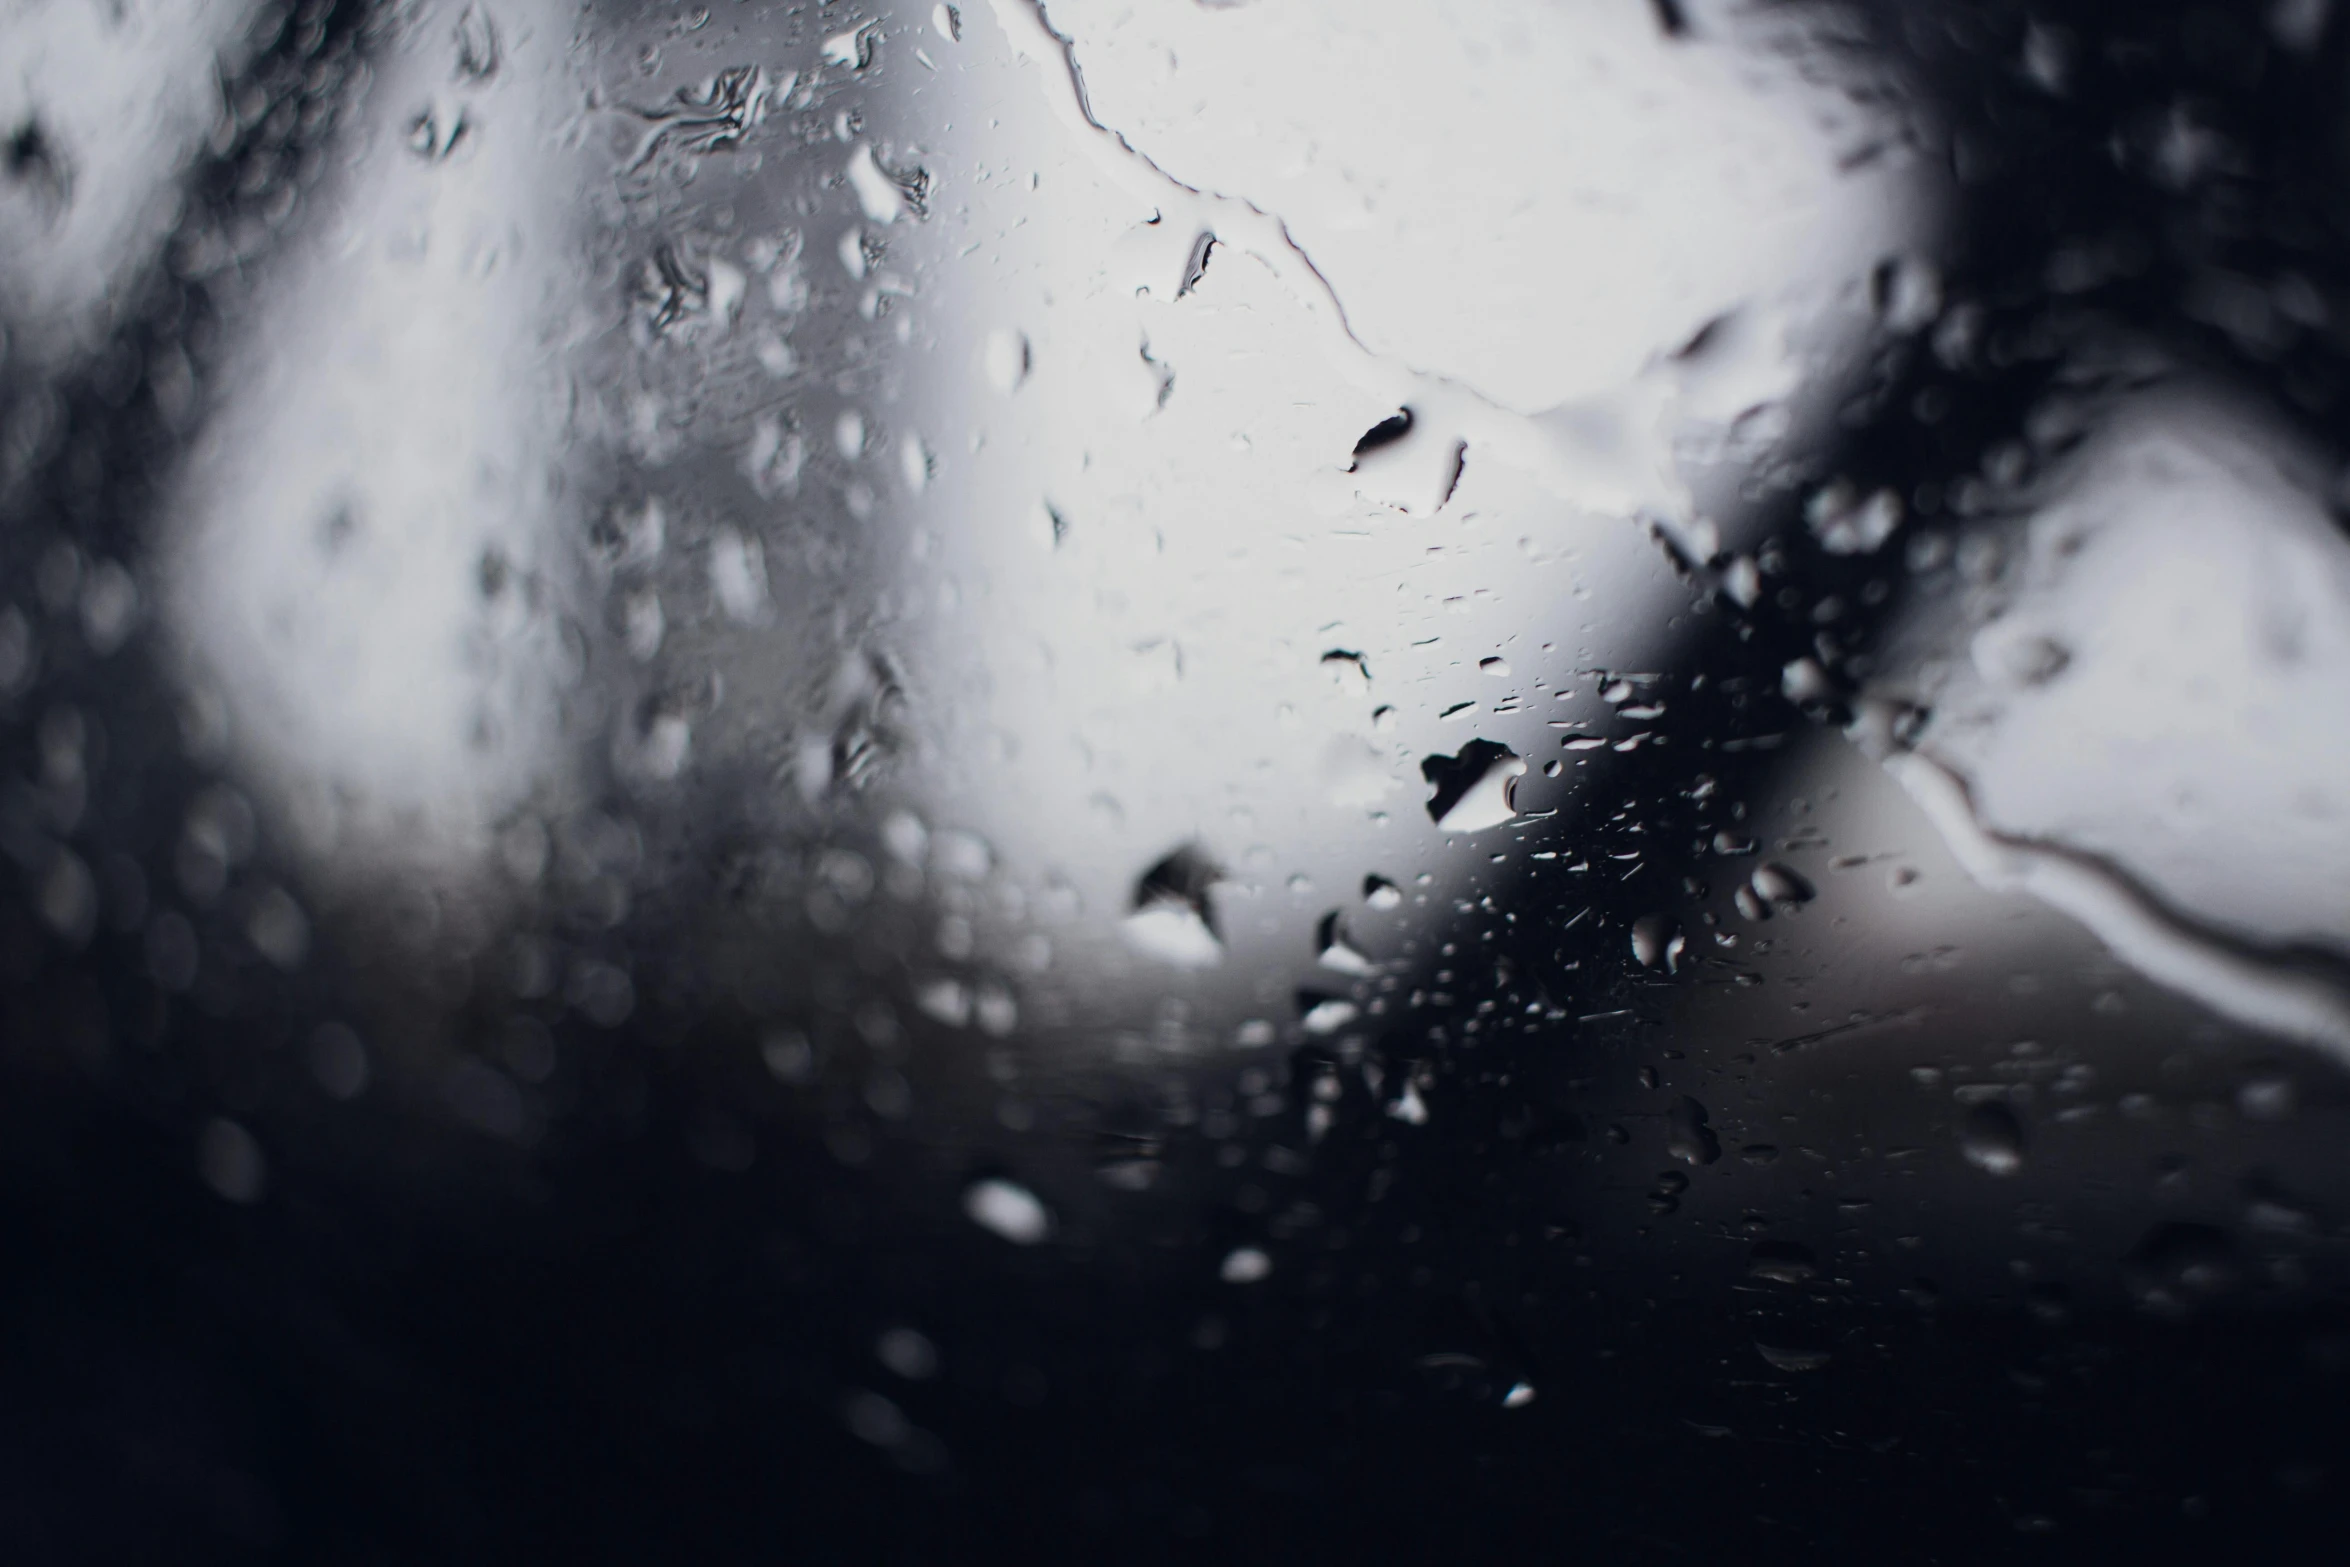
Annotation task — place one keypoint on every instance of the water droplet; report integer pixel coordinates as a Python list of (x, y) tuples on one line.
[(338, 1061), (1687, 1136), (69, 897), (872, 1418), (1335, 953), (1409, 1107), (1348, 670), (1655, 940), (1007, 1209), (477, 45), (947, 22), (789, 1057), (2179, 1267), (2018, 656), (1780, 888), (1784, 1359), (1171, 918), (2267, 1096), (908, 1353), (878, 195), (1245, 1265), (1006, 359), (1404, 463), (1381, 894), (853, 48), (946, 1000), (278, 929), (738, 576), (1519, 1396), (1993, 1140), (1473, 789), (1846, 523), (774, 457), (1498, 668), (231, 1162), (1326, 1015)]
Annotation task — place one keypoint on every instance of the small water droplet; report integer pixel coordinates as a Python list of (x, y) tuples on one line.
[(908, 1353), (1325, 1015), (231, 1162), (1847, 523), (338, 1061), (1381, 894), (2179, 1267), (1245, 1265), (1008, 1209), (1782, 1358), (2267, 1096)]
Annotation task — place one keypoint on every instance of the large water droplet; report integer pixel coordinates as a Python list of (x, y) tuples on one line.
[(1474, 789), (1171, 919), (1687, 1136), (1993, 1140), (1008, 1209)]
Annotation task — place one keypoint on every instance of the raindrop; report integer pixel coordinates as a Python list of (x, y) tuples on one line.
[(278, 929), (1474, 788), (1846, 523), (1519, 1396), (908, 1353), (477, 45), (69, 897), (853, 49), (231, 1162), (1654, 941), (2016, 656), (946, 1000), (1245, 1265), (1171, 919), (1006, 359), (1381, 894), (1780, 888), (1349, 670), (1993, 1140), (789, 1057), (1687, 1136), (1325, 1015), (2267, 1096), (338, 1061), (1007, 1209), (738, 576), (1784, 1359), (2181, 1266), (1335, 953)]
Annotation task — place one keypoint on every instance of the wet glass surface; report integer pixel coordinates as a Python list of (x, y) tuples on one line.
[(1222, 777)]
